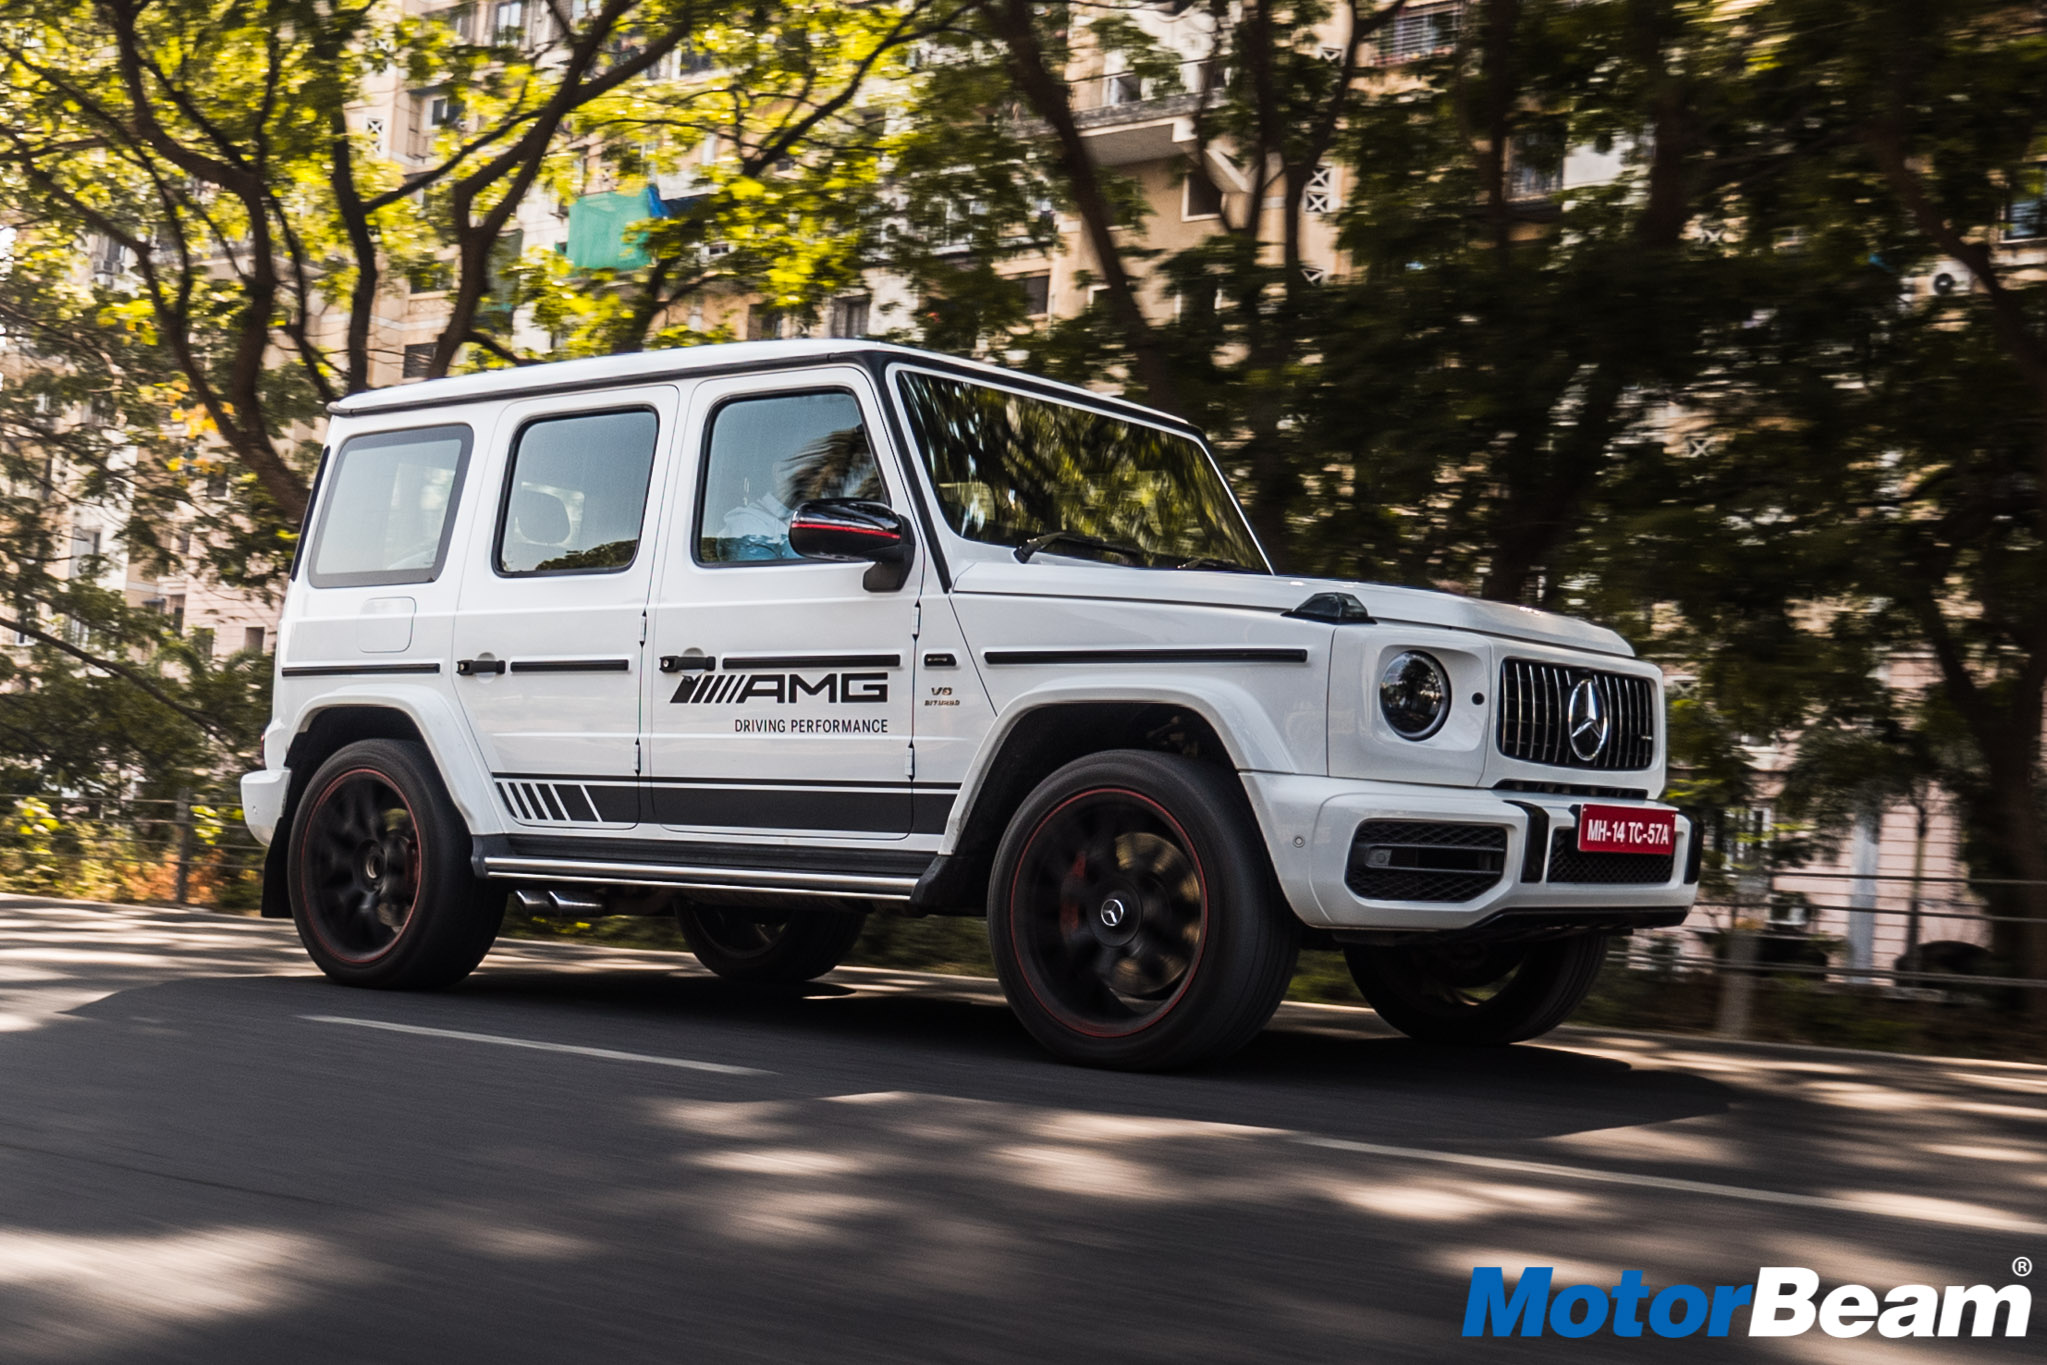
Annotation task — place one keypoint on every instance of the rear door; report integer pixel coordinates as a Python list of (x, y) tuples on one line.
[(548, 639), (784, 699)]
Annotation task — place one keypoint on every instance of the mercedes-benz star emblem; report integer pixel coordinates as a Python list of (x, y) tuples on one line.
[(1113, 912), (1589, 724)]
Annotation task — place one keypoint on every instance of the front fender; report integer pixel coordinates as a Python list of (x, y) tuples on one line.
[(1252, 736)]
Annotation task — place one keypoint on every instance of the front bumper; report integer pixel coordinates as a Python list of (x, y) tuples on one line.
[(263, 794), (1311, 823)]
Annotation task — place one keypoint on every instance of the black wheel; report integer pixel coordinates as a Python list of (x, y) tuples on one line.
[(769, 946), (1134, 917), (381, 887), (1478, 993)]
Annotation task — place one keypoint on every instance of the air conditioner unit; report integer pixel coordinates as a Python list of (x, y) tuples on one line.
[(1939, 279)]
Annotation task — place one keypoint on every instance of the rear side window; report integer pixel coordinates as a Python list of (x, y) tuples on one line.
[(766, 455), (576, 493), (389, 505)]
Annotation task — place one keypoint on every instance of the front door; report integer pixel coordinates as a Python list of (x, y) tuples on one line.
[(548, 637), (780, 696)]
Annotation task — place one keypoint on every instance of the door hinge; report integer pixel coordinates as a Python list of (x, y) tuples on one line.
[(910, 764), (643, 627), (917, 621), (636, 758)]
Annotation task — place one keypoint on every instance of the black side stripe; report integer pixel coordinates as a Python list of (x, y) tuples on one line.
[(1235, 654), (771, 661), (572, 665), (848, 784), (351, 670)]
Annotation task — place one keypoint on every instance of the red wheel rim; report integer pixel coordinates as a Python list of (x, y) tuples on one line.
[(359, 866), (1108, 912)]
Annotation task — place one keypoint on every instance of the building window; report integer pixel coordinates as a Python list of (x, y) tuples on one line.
[(2026, 218), (375, 130), (1122, 87), (1420, 31), (1320, 193), (1037, 294), (444, 111), (85, 547), (252, 639), (850, 316), (577, 493), (1203, 198), (508, 21), (1526, 180), (418, 360), (769, 454)]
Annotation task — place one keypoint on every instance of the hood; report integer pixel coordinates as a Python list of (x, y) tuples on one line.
[(1044, 577)]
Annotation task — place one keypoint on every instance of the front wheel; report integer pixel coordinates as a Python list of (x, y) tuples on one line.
[(1133, 915), (381, 889), (1478, 993), (769, 947)]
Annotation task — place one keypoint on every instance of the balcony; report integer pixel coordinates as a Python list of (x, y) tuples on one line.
[(1128, 118)]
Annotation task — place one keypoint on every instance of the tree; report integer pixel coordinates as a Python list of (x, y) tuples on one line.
[(1884, 484)]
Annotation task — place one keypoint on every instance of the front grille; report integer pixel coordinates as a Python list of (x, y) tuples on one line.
[(1423, 860), (1535, 715), (1567, 864)]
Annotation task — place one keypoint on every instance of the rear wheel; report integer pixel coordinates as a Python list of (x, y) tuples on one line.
[(769, 946), (1478, 993), (378, 861), (1133, 916)]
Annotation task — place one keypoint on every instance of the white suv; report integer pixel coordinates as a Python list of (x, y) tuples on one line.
[(773, 635)]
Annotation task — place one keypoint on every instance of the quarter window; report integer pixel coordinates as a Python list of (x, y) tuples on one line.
[(576, 493), (387, 513), (766, 455)]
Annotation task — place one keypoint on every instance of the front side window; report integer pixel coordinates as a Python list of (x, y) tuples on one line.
[(765, 456), (389, 508), (1032, 473), (576, 492)]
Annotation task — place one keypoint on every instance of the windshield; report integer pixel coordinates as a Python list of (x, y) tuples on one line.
[(1010, 469)]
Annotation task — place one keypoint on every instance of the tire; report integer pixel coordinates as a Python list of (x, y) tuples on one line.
[(1201, 944), (378, 871), (769, 947), (1478, 993)]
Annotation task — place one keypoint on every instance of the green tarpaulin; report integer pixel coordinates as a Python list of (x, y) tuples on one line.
[(597, 231)]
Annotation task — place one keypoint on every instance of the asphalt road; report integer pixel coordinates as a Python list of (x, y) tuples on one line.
[(208, 1153)]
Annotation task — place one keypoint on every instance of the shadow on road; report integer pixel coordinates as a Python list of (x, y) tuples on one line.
[(1331, 1075)]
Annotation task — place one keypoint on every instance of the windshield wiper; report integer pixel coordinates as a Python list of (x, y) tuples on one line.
[(1051, 538), (1213, 562)]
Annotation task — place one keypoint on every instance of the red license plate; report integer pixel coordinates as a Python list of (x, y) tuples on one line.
[(1626, 829)]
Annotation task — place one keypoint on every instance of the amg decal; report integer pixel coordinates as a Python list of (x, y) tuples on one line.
[(740, 689)]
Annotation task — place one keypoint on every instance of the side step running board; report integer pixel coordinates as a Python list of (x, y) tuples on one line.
[(703, 878)]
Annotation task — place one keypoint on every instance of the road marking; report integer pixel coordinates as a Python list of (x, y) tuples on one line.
[(1926, 1211), (534, 1044)]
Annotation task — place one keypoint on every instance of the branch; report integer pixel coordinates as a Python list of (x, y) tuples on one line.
[(140, 680)]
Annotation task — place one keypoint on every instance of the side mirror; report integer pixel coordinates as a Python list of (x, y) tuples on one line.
[(855, 529)]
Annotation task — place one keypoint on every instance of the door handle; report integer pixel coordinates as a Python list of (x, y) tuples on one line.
[(687, 663), (482, 668)]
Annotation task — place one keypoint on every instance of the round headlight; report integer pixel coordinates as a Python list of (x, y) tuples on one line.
[(1414, 695)]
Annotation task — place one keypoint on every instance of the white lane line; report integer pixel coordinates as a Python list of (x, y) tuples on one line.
[(1910, 1210), (534, 1044)]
